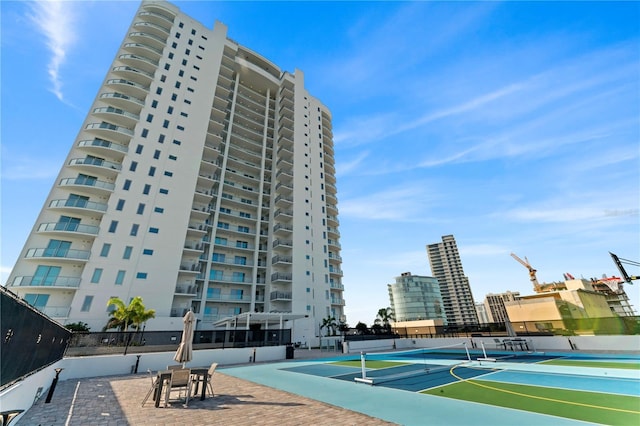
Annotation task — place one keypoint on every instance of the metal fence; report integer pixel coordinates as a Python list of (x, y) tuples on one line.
[(83, 343), (30, 340)]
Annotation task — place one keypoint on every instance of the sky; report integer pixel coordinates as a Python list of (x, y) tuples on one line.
[(513, 126)]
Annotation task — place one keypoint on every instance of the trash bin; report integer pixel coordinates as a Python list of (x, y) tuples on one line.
[(289, 353)]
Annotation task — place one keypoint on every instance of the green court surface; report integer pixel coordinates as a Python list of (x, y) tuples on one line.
[(592, 407), (594, 364)]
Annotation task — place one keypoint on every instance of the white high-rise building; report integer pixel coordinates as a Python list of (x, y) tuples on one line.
[(202, 178), (446, 266)]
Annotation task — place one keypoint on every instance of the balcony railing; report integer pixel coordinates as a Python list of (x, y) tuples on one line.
[(101, 143), (109, 126), (119, 111), (279, 276), (29, 281), (280, 295), (99, 162), (87, 182), (55, 311), (58, 253), (78, 204), (68, 227)]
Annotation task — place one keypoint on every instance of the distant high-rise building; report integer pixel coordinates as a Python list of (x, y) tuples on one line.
[(494, 305), (481, 310), (446, 266), (202, 178), (415, 297)]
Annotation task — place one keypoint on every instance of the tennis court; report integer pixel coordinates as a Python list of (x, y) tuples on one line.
[(602, 388)]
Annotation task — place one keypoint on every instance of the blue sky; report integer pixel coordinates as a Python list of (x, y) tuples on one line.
[(513, 126)]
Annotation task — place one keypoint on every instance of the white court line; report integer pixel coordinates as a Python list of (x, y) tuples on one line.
[(73, 401)]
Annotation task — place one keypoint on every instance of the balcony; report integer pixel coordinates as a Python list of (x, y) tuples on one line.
[(335, 271), (189, 290), (55, 311), (122, 101), (279, 276), (146, 37), (336, 301), (117, 116), (156, 17), (75, 204), (57, 227), (119, 133), (58, 254), (282, 201), (100, 187), (103, 147), (281, 259), (280, 296), (29, 281), (143, 49), (139, 61), (129, 88), (228, 298), (93, 165), (133, 74), (280, 228), (282, 243)]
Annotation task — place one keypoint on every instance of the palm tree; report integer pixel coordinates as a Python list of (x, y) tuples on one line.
[(385, 316), (330, 324), (362, 328), (123, 317)]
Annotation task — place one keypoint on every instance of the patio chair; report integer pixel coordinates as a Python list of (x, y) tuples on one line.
[(153, 388), (180, 380), (500, 344), (174, 367), (209, 383)]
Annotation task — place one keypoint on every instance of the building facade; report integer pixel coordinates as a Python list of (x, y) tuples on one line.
[(202, 178), (414, 297), (494, 305), (446, 267)]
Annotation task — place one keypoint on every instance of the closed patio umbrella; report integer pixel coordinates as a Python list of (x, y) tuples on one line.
[(184, 353)]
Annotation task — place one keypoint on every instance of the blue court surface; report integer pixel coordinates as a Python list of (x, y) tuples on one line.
[(394, 395)]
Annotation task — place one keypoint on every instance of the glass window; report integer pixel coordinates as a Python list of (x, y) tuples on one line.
[(163, 191), (120, 204), (154, 103), (134, 229), (133, 166), (161, 138), (113, 226), (170, 110), (86, 305), (146, 189), (97, 273), (141, 275), (218, 257), (139, 149), (36, 300), (240, 260), (236, 294), (105, 250), (156, 154), (127, 252), (140, 208), (145, 132), (120, 277), (149, 118), (147, 252), (158, 210), (168, 174), (165, 124), (152, 171), (153, 230), (45, 275)]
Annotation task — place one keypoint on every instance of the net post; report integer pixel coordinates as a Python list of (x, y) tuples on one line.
[(363, 364), (467, 351)]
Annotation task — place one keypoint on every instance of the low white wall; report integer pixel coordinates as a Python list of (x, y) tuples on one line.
[(536, 343), (23, 394)]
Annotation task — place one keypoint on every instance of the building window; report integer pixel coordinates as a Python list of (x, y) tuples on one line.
[(147, 252), (161, 138), (120, 277), (120, 204), (113, 226), (147, 189), (127, 252), (153, 230), (168, 174), (158, 210), (159, 91), (133, 166), (177, 142), (86, 304), (184, 114), (134, 229), (36, 300), (140, 208), (141, 275), (178, 84), (152, 171), (97, 273), (145, 132), (174, 97), (181, 73), (165, 124), (105, 250), (139, 149), (164, 191), (170, 110), (173, 157), (46, 275), (170, 55)]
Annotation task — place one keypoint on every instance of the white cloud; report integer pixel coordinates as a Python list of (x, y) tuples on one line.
[(482, 250), (55, 20), (405, 204)]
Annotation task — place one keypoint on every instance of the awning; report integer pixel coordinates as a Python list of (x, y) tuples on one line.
[(265, 318)]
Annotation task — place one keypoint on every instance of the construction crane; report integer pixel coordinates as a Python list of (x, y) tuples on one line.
[(532, 272), (626, 277)]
